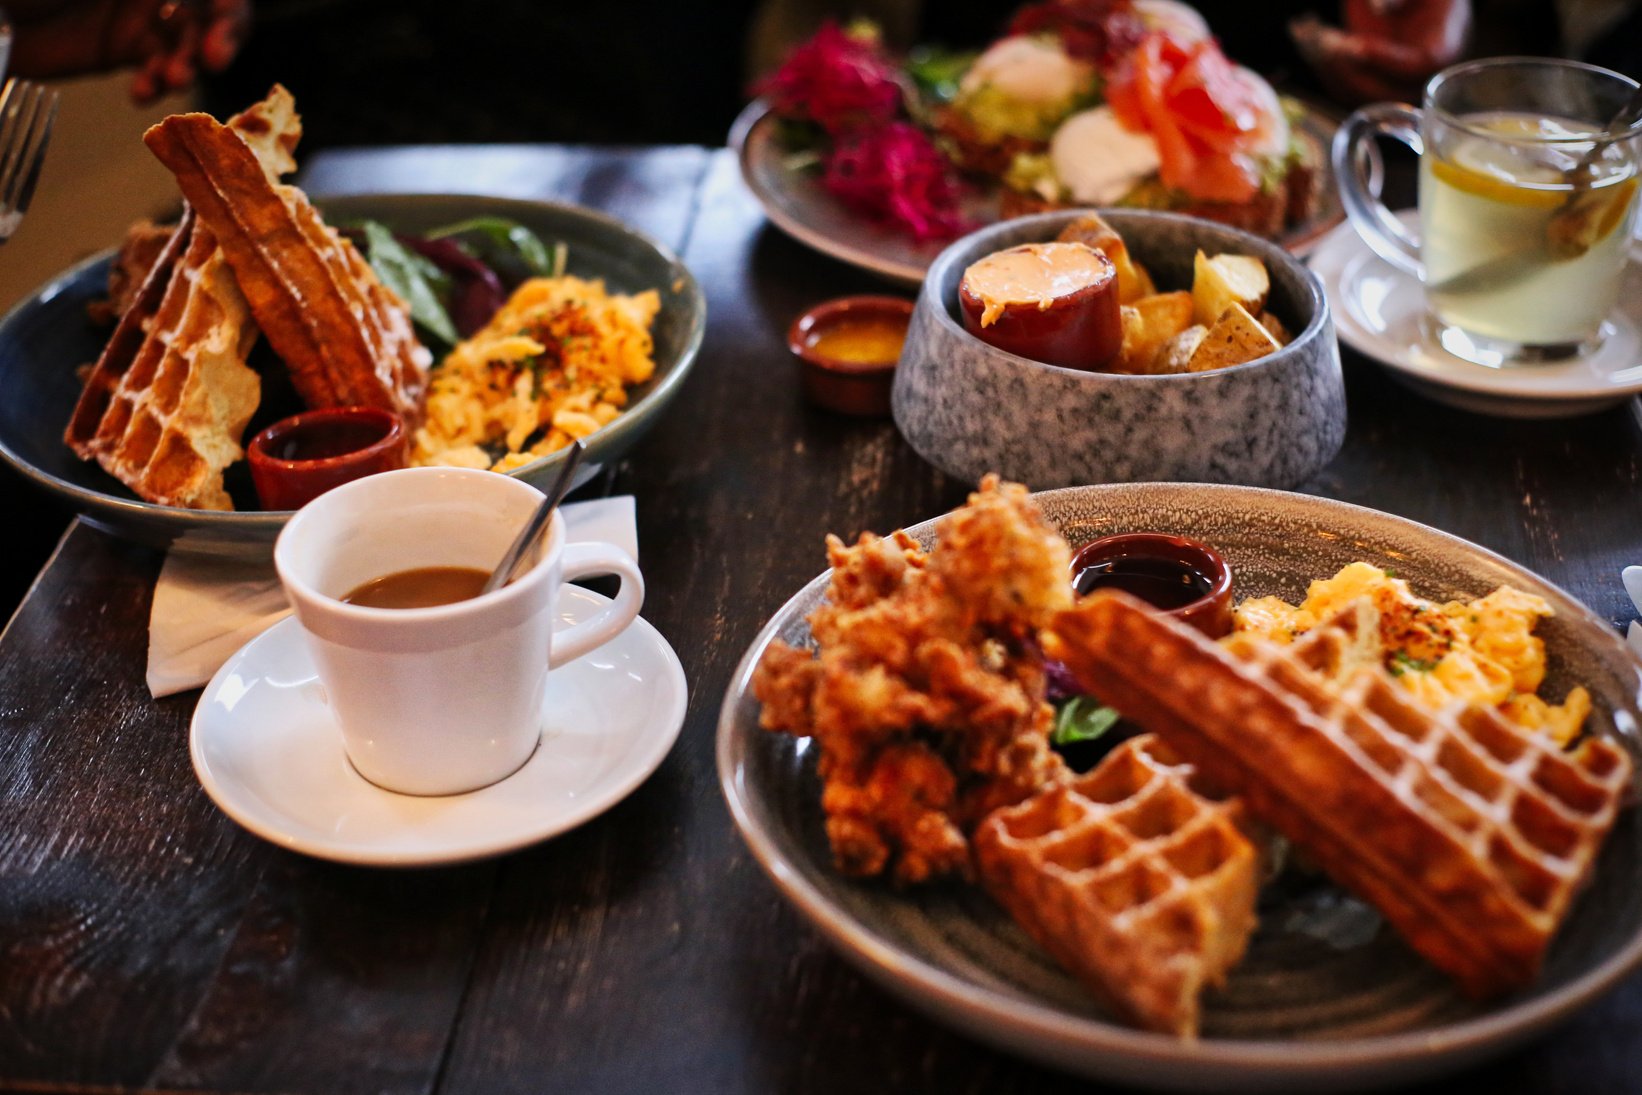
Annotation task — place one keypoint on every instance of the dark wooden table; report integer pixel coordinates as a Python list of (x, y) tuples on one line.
[(146, 941)]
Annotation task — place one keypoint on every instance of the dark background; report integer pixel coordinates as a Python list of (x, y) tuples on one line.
[(372, 72), (376, 72)]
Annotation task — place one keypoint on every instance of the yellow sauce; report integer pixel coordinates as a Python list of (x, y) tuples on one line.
[(1034, 273), (862, 340)]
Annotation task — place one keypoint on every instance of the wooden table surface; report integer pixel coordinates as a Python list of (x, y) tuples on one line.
[(146, 941)]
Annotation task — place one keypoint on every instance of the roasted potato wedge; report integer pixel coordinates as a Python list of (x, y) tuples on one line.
[(1224, 280), (1175, 355), (1133, 282), (1147, 324), (1237, 337)]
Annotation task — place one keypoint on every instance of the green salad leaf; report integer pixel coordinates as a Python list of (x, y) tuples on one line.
[(420, 283), (937, 72), (506, 246), (1082, 718)]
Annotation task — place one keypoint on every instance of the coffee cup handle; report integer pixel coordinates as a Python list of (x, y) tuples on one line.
[(1357, 165), (584, 561)]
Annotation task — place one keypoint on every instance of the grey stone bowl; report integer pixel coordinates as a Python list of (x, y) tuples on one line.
[(969, 408)]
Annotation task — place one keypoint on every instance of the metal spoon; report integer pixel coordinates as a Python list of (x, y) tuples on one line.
[(1570, 232), (1621, 123), (524, 544)]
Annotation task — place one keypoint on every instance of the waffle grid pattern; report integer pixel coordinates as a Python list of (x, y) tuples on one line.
[(1141, 886), (165, 405), (345, 338), (1469, 834), (173, 416), (1527, 818), (396, 364)]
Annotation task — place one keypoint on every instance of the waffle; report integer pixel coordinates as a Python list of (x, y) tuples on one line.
[(165, 405), (144, 242), (345, 338), (165, 417), (1469, 834), (1334, 651), (1134, 881)]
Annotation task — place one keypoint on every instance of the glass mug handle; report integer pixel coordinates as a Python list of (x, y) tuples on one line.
[(1357, 165)]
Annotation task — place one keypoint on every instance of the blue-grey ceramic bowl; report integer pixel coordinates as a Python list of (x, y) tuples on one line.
[(44, 339), (970, 408)]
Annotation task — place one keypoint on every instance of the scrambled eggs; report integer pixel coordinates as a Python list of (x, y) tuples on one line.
[(553, 364), (1482, 651)]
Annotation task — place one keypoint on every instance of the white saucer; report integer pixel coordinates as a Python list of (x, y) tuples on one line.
[(1378, 308), (269, 754)]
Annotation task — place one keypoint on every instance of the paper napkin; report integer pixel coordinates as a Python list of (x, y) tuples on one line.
[(205, 608)]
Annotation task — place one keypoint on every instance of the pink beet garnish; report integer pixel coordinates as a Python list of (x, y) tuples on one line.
[(895, 175)]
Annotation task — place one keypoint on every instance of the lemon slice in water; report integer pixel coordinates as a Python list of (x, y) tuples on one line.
[(1489, 181)]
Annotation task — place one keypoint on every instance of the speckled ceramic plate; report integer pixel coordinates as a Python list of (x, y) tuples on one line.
[(1327, 998), (47, 337), (796, 203)]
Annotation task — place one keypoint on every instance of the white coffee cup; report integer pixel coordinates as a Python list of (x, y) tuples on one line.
[(450, 698)]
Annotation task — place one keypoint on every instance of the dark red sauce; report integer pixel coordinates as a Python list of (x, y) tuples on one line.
[(324, 440), (1175, 574), (1165, 583)]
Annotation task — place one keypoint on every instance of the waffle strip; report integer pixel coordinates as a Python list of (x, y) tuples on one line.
[(346, 339), (172, 420), (1468, 833), (1141, 886), (103, 382), (165, 405)]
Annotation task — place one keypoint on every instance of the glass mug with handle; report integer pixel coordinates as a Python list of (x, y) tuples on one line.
[(1527, 199)]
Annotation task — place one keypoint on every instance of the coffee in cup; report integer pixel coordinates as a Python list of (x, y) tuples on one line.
[(438, 699)]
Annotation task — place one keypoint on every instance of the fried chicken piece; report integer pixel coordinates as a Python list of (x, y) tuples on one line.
[(926, 691), (786, 683), (1002, 560), (900, 801)]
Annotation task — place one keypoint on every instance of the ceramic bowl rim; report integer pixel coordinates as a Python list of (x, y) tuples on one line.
[(259, 444)]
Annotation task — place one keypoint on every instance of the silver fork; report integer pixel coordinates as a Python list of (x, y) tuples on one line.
[(26, 113)]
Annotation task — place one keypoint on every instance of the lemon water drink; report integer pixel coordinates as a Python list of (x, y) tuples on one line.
[(1521, 241)]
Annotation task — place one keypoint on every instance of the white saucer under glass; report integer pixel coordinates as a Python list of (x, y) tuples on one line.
[(1380, 312), (269, 754)]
